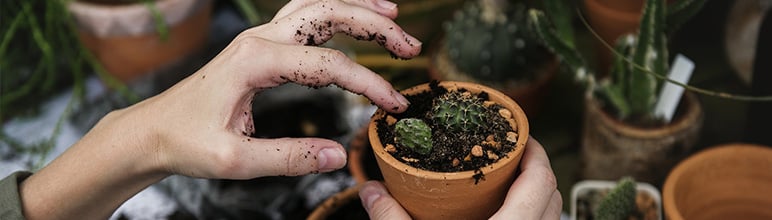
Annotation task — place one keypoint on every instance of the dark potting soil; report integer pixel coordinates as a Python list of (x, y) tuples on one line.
[(449, 146)]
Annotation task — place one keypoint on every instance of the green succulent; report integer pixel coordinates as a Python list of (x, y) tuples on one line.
[(459, 111), (619, 203), (631, 90), (415, 134), (491, 41)]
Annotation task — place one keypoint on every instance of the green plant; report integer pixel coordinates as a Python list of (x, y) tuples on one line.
[(631, 89), (490, 40), (619, 203), (415, 134), (458, 111)]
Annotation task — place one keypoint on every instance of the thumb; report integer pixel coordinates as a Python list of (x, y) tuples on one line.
[(379, 204), (288, 156)]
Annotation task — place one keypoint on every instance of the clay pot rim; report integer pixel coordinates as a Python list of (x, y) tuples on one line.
[(607, 11), (333, 203), (131, 19), (356, 155), (520, 122), (742, 150), (692, 114)]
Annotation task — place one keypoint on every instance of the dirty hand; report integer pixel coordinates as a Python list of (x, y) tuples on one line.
[(533, 195), (200, 127), (207, 117)]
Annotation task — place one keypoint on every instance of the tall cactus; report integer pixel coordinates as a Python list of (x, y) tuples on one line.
[(490, 41), (632, 89)]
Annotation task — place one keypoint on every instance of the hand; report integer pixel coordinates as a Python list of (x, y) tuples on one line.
[(200, 127), (533, 195), (205, 120)]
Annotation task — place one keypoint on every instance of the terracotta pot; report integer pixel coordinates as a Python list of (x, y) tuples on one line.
[(442, 195), (648, 198), (612, 149), (361, 161), (732, 181), (124, 39), (333, 207), (529, 96), (611, 19)]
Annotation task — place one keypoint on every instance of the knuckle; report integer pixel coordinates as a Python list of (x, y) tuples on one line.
[(227, 163)]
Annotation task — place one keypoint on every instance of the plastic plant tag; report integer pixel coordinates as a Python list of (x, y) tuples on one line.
[(670, 96)]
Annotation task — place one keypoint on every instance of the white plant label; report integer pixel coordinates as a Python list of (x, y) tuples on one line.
[(670, 96)]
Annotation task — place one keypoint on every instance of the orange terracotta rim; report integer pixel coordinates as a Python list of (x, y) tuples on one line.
[(703, 168), (520, 122), (332, 204)]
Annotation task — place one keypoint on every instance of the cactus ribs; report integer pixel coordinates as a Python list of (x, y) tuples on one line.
[(453, 149)]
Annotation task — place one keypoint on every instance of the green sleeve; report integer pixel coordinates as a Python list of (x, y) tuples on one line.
[(10, 203)]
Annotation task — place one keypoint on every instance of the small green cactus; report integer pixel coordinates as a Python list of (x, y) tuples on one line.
[(415, 134), (619, 203), (457, 111), (490, 41)]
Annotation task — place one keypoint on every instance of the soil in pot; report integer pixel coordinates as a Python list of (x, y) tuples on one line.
[(451, 151)]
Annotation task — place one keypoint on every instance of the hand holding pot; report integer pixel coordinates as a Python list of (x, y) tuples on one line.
[(533, 195), (200, 127)]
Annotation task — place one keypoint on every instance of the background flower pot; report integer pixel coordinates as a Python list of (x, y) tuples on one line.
[(343, 205), (725, 182), (611, 19), (361, 161), (647, 194), (124, 37), (529, 95), (612, 149), (437, 195)]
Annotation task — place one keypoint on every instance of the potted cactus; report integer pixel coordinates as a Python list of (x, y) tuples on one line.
[(453, 153), (622, 135), (624, 199), (489, 42)]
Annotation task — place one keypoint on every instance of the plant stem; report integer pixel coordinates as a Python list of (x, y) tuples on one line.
[(662, 77)]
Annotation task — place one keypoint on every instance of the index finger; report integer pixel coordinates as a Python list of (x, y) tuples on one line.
[(320, 21), (269, 64)]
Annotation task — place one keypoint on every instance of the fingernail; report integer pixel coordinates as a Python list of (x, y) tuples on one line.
[(412, 41), (330, 159), (401, 99), (386, 4), (370, 192)]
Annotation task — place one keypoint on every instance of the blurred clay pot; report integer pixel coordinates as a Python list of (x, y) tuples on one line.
[(123, 36), (612, 149), (611, 19), (452, 195), (342, 205), (732, 181), (529, 95)]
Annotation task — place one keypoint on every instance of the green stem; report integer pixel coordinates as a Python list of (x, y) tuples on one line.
[(662, 77), (160, 22), (247, 8)]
